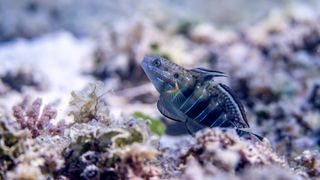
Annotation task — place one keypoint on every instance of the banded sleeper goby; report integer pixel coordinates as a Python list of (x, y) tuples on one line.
[(192, 96)]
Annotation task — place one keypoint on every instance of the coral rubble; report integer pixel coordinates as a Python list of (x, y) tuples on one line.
[(217, 152)]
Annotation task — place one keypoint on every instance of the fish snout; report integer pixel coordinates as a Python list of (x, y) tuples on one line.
[(145, 62)]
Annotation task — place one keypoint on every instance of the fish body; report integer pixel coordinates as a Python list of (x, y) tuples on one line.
[(193, 95)]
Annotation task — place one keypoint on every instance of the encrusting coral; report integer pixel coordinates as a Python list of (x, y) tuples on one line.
[(94, 149), (139, 162), (102, 147), (105, 152), (36, 161), (9, 147), (23, 157)]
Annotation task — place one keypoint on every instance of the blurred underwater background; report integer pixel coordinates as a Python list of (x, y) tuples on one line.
[(75, 103)]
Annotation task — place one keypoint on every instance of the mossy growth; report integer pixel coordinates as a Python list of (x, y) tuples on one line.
[(156, 126), (135, 136), (9, 147)]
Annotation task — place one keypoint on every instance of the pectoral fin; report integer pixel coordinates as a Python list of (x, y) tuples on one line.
[(168, 111), (192, 126)]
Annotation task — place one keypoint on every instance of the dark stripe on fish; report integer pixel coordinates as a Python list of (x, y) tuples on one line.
[(180, 96), (198, 108), (211, 116), (185, 102), (194, 103), (188, 92)]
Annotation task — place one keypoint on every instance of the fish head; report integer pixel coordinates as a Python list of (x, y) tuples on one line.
[(164, 74)]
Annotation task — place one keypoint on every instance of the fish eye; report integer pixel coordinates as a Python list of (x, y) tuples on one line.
[(156, 62), (176, 75)]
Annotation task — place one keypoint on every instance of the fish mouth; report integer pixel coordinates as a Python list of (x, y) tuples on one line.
[(154, 74), (145, 65)]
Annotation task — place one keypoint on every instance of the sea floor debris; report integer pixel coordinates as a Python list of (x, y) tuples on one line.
[(128, 148)]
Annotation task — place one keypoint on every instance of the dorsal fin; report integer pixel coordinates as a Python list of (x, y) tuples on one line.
[(208, 74)]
